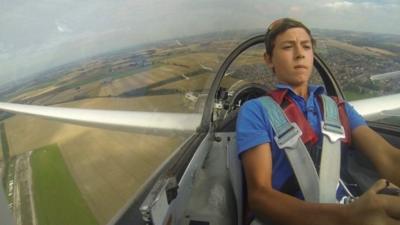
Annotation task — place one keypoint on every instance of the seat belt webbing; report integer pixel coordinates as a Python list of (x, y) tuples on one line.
[(288, 138), (314, 188), (333, 132)]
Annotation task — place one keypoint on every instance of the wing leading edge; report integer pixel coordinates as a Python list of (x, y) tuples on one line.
[(378, 107), (131, 121), (165, 123)]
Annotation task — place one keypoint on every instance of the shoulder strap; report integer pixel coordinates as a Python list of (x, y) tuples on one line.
[(333, 132), (288, 138), (315, 188)]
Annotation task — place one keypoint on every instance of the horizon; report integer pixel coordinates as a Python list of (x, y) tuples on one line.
[(40, 36), (138, 47)]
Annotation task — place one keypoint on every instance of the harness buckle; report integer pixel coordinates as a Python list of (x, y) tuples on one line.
[(333, 131), (289, 137)]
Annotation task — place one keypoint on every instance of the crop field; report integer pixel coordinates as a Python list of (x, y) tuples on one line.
[(85, 91), (57, 197), (356, 49), (194, 60), (198, 82), (380, 51), (107, 166), (354, 95), (34, 93), (139, 80)]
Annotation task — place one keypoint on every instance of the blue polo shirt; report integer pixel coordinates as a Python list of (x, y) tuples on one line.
[(253, 128)]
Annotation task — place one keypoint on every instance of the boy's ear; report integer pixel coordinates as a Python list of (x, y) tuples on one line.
[(268, 61)]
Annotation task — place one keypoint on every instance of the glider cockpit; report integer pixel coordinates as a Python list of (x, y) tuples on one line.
[(210, 189)]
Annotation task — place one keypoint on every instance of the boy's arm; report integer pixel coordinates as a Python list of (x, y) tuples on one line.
[(383, 155), (280, 208)]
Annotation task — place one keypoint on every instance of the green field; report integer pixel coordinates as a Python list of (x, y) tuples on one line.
[(56, 196), (4, 143), (353, 95), (6, 155)]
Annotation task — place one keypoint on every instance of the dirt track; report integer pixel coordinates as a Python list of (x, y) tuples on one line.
[(23, 206)]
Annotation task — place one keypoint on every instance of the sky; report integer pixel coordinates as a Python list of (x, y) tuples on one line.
[(41, 34)]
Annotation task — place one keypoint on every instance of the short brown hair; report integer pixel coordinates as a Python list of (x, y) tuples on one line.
[(279, 26)]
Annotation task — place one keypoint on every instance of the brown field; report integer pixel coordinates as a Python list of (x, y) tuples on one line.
[(88, 91), (381, 51), (221, 45), (193, 83), (194, 60), (87, 69), (138, 80), (160, 103), (70, 77), (33, 93), (358, 50), (174, 68), (108, 166)]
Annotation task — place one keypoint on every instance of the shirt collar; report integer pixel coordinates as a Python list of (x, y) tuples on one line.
[(312, 89)]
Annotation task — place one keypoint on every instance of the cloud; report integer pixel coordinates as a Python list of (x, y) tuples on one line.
[(361, 4), (339, 5), (296, 9), (63, 28)]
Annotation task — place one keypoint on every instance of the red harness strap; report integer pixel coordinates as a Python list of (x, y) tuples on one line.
[(294, 114), (344, 120)]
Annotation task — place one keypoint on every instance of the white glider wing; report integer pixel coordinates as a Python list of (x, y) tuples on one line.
[(131, 121), (165, 123), (383, 76), (378, 107)]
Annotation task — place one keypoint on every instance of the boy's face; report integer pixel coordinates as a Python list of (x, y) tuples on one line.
[(292, 57)]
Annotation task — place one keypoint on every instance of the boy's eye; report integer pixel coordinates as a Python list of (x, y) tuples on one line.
[(287, 46), (307, 46)]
